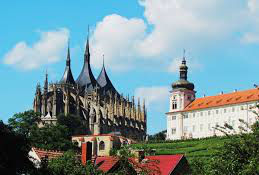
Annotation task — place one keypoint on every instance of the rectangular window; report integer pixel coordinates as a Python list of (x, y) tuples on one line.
[(185, 128), (173, 130), (201, 114), (209, 127), (233, 109), (225, 110), (174, 117), (185, 116), (193, 128), (193, 115), (217, 111), (208, 112), (201, 127)]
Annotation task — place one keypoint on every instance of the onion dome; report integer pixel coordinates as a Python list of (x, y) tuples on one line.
[(183, 83), (67, 76), (105, 83), (86, 78)]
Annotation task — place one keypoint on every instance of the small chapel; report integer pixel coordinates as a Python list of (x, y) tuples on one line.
[(103, 109)]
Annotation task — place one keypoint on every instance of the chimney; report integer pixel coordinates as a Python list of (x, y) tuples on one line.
[(204, 95), (235, 90), (221, 92), (84, 151)]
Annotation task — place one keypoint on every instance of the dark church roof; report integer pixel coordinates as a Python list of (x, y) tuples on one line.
[(105, 83), (86, 78), (67, 76)]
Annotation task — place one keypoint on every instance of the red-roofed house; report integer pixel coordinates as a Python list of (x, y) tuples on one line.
[(191, 117), (37, 155), (155, 165)]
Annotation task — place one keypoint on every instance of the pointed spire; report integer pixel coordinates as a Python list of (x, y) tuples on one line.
[(105, 83), (144, 105), (183, 68), (184, 60), (46, 82), (86, 79), (103, 60), (68, 55), (68, 76), (87, 50)]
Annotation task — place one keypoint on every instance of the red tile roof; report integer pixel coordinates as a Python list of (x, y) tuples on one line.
[(160, 164), (224, 99), (50, 154), (165, 163), (106, 163)]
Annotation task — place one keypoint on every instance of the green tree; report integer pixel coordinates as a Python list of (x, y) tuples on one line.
[(24, 122), (158, 136), (14, 149), (75, 124), (52, 137), (70, 164), (238, 156), (56, 137)]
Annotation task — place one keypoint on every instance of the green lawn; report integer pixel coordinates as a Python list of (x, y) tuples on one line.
[(201, 149)]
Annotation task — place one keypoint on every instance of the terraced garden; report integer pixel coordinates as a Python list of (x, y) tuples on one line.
[(192, 149)]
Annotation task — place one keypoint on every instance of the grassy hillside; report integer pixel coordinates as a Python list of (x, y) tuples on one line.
[(192, 149)]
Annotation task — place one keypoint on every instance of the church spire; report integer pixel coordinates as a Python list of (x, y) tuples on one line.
[(87, 50), (68, 55), (103, 60), (86, 78), (68, 76), (183, 68), (183, 83), (104, 81), (46, 82)]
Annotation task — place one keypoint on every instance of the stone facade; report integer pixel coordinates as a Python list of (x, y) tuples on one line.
[(103, 109)]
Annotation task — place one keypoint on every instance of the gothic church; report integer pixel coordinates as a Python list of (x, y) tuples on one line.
[(99, 104)]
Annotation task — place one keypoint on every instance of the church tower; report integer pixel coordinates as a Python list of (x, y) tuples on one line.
[(182, 93)]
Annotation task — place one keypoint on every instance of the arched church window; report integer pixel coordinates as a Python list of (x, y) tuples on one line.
[(101, 145)]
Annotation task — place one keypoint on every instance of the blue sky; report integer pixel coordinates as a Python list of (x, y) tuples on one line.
[(142, 42)]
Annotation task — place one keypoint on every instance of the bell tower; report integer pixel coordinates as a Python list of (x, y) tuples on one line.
[(182, 93)]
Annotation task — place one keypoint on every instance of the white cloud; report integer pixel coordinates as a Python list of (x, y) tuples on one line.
[(250, 38), (48, 49), (169, 26), (153, 95), (117, 38), (193, 64), (253, 6)]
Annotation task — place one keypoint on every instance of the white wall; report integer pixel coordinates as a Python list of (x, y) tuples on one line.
[(201, 125)]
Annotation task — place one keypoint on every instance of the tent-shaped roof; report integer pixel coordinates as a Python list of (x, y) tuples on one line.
[(105, 83), (68, 76), (86, 78)]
